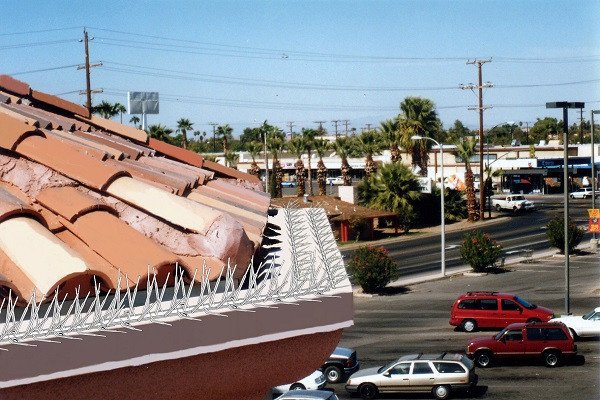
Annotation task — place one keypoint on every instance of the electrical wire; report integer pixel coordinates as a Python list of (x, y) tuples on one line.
[(40, 31), (44, 69), (35, 44)]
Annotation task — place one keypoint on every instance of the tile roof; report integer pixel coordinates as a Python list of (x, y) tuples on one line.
[(109, 203)]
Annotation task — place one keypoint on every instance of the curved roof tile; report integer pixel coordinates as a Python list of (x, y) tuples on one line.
[(114, 127), (183, 155), (11, 206), (12, 85), (70, 203), (14, 131), (59, 103)]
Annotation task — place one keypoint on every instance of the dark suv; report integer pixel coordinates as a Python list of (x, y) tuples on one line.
[(551, 341), (474, 310), (341, 364)]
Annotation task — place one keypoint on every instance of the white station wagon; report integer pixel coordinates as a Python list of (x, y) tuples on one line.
[(582, 325), (439, 374)]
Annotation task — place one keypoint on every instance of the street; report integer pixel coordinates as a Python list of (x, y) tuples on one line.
[(414, 319)]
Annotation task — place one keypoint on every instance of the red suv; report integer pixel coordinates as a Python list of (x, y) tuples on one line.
[(474, 310), (551, 341)]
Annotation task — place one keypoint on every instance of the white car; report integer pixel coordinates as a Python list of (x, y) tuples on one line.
[(338, 180), (583, 325), (583, 193), (314, 381)]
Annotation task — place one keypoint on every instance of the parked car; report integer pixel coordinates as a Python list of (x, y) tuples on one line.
[(474, 310), (512, 202), (551, 341), (439, 374), (314, 381), (288, 183), (338, 180), (341, 364), (582, 325), (583, 193), (308, 395)]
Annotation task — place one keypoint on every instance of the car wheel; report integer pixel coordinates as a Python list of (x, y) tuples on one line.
[(533, 320), (468, 325), (551, 358), (483, 358), (571, 196), (515, 209), (297, 386), (498, 208), (368, 391), (333, 374), (441, 392)]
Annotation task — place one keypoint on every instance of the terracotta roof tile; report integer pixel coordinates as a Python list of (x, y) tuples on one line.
[(238, 198), (193, 174), (127, 151), (4, 99), (230, 172), (11, 206), (147, 173), (240, 192), (14, 86), (70, 203), (13, 131), (58, 121), (103, 150), (59, 103), (13, 278), (12, 98), (116, 128), (183, 155), (42, 121), (4, 109)]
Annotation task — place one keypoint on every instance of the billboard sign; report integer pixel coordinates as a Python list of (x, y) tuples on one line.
[(142, 102)]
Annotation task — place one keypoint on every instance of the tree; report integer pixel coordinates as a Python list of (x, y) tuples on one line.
[(343, 146), (458, 132), (276, 144), (231, 159), (105, 109), (224, 134), (135, 120), (183, 126), (309, 136), (296, 146), (120, 109), (160, 132), (555, 230), (465, 149), (321, 146), (370, 144), (254, 148), (393, 188), (544, 129), (391, 138), (418, 117), (479, 250), (372, 268)]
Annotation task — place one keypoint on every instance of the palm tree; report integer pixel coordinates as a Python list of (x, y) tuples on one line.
[(231, 159), (105, 109), (343, 146), (465, 149), (276, 144), (184, 125), (160, 132), (309, 143), (224, 132), (393, 188), (120, 109), (135, 120), (296, 146), (391, 137), (321, 146), (418, 117), (254, 148), (369, 144)]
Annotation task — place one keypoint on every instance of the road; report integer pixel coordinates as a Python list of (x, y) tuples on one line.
[(415, 319), (518, 232)]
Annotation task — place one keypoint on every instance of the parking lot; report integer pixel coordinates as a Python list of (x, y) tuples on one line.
[(414, 319)]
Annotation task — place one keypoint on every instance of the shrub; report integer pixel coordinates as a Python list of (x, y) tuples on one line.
[(556, 234), (372, 268), (479, 250)]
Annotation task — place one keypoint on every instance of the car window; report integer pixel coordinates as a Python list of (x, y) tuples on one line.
[(555, 334), (489, 304), (510, 305), (592, 316), (513, 336), (468, 304), (448, 368), (400, 369), (422, 368), (535, 334)]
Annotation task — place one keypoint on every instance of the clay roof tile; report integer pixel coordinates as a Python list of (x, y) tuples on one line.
[(14, 86), (183, 155), (230, 172), (70, 203), (13, 131), (119, 129), (59, 103), (11, 206)]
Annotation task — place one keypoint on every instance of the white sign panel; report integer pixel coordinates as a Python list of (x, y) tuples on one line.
[(142, 102), (424, 184)]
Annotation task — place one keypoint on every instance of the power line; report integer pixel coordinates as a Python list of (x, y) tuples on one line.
[(43, 69), (35, 44), (40, 31)]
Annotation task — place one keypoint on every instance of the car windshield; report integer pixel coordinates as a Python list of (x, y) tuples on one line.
[(518, 198), (387, 366), (524, 303), (500, 334), (588, 315)]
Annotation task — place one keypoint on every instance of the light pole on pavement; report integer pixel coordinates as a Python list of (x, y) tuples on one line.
[(443, 222), (594, 187)]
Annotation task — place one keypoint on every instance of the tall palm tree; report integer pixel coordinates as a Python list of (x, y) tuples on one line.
[(231, 159), (105, 109), (254, 148), (160, 132), (309, 143), (370, 144), (391, 137), (321, 146), (296, 146), (224, 133), (276, 144), (393, 188), (465, 149), (135, 120), (120, 109), (418, 117), (343, 146), (184, 125)]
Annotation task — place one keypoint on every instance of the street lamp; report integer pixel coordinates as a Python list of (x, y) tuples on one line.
[(443, 224), (594, 242), (565, 105)]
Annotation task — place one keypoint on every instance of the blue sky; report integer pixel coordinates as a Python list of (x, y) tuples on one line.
[(243, 62)]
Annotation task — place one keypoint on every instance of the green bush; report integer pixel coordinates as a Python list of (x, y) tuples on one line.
[(556, 234), (372, 268), (479, 250)]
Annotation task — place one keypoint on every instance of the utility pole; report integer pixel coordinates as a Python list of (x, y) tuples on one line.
[(581, 129), (291, 125), (88, 86), (335, 123), (320, 125), (346, 123), (480, 108), (214, 125)]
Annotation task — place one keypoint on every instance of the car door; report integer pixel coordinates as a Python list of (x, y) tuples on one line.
[(511, 344), (591, 325), (396, 378), (422, 377), (489, 314), (510, 312)]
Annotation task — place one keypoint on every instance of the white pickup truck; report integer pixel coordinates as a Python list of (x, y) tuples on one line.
[(512, 202)]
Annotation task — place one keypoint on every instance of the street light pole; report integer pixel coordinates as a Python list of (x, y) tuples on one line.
[(593, 168), (443, 219)]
